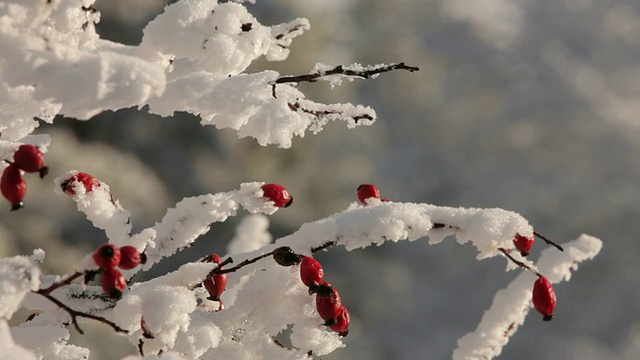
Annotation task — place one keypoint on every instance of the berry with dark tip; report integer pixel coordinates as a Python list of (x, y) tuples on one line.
[(13, 186), (544, 298), (311, 272), (341, 325), (524, 243), (215, 284), (113, 283), (130, 257), (278, 194), (30, 159), (107, 256), (329, 307), (87, 180)]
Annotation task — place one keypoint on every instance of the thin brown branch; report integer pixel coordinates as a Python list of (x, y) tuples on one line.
[(345, 71), (549, 242), (57, 284), (517, 262), (321, 113), (75, 314)]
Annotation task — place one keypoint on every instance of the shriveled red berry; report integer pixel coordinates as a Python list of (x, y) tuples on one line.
[(341, 325), (366, 191), (311, 272), (113, 283), (107, 256), (544, 298), (278, 194), (30, 159), (215, 284), (130, 257), (524, 243), (286, 257), (87, 180), (329, 307), (13, 186)]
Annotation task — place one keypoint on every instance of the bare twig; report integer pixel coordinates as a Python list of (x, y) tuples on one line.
[(517, 262), (549, 242), (320, 113), (75, 314), (345, 71)]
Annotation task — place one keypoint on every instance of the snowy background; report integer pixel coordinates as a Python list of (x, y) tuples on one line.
[(530, 107)]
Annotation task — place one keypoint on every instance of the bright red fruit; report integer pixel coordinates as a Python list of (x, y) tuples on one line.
[(215, 284), (329, 307), (311, 272), (30, 159), (523, 243), (87, 180), (544, 298), (341, 326), (366, 191), (13, 186), (113, 282), (130, 257), (107, 256), (278, 194)]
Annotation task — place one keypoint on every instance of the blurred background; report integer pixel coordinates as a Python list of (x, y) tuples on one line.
[(526, 106)]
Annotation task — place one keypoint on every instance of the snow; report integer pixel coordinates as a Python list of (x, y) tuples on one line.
[(9, 349), (18, 276), (193, 58)]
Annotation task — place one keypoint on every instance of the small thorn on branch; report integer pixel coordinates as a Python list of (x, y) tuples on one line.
[(549, 242)]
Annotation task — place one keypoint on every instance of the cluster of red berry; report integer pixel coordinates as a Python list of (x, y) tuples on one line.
[(27, 158), (328, 302), (107, 257), (367, 191), (216, 283)]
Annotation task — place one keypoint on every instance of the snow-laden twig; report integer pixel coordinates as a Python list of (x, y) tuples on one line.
[(324, 72), (512, 304)]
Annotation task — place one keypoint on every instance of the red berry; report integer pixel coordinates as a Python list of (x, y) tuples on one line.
[(285, 256), (13, 186), (30, 159), (329, 307), (107, 256), (87, 180), (113, 282), (544, 298), (524, 244), (311, 272), (341, 325), (215, 284), (278, 194), (366, 191), (130, 257)]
